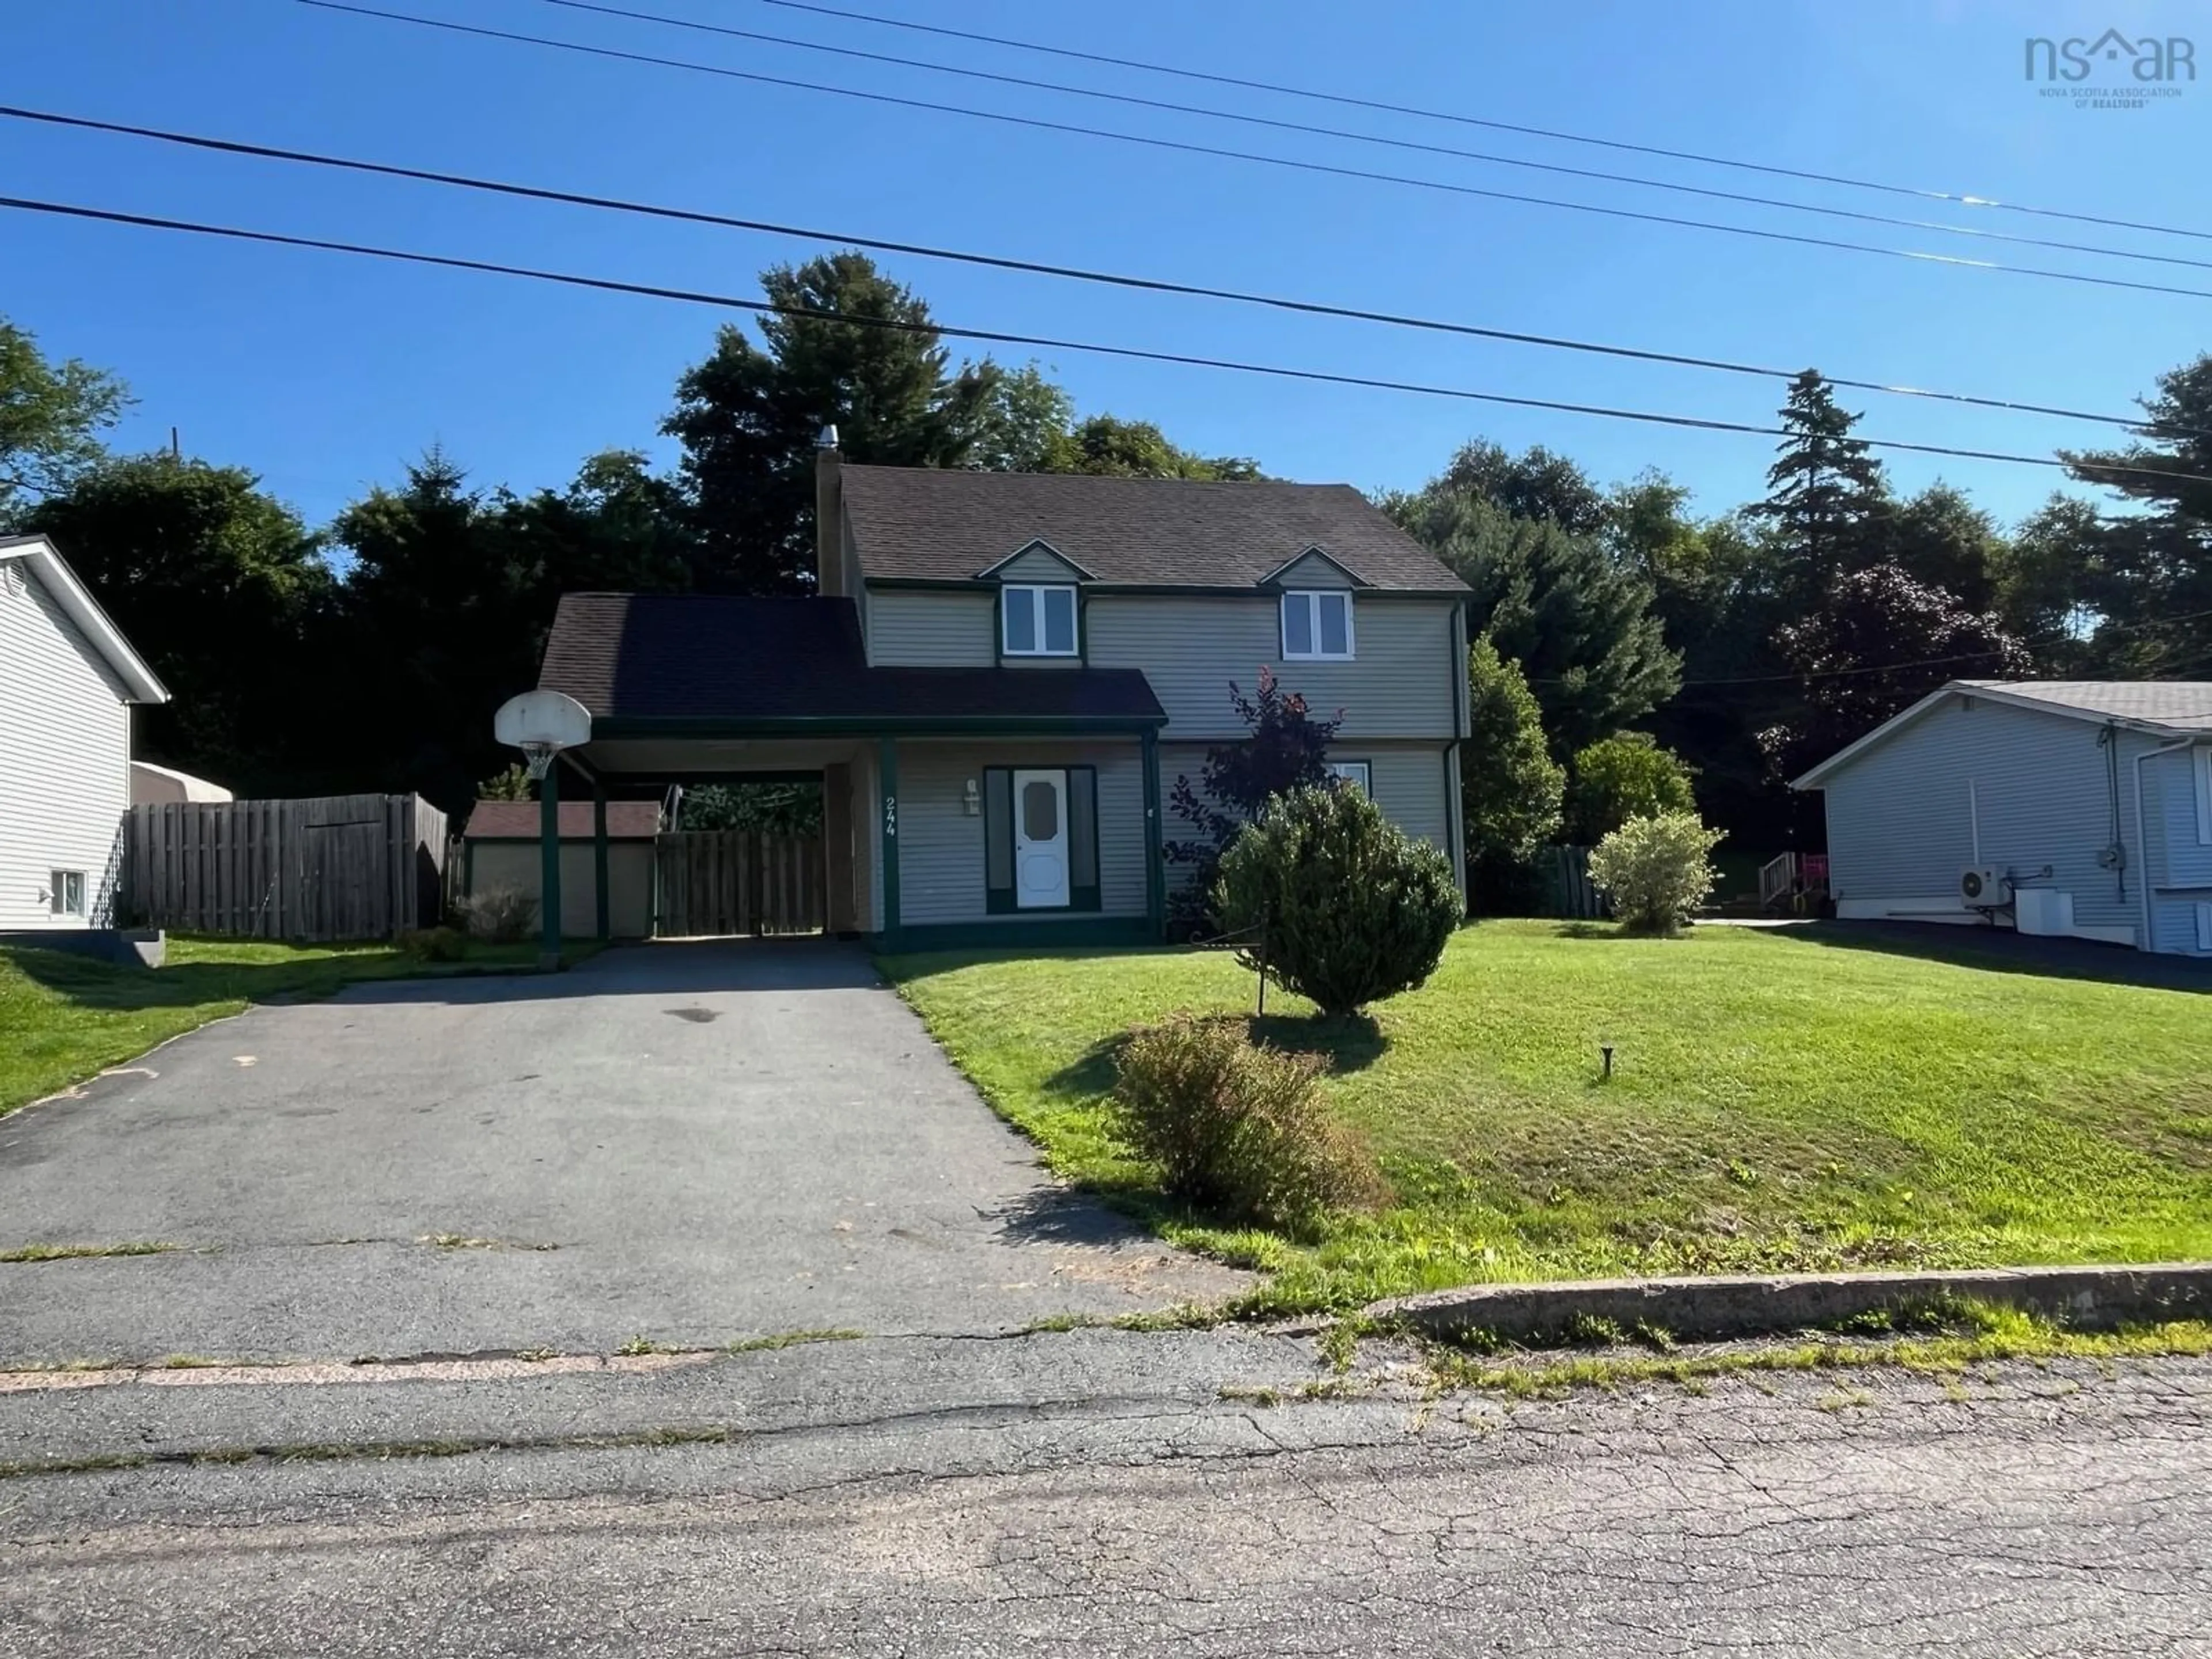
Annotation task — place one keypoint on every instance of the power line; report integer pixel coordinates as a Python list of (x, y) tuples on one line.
[(1310, 307), (1180, 146), (1485, 157), (1960, 198), (993, 336)]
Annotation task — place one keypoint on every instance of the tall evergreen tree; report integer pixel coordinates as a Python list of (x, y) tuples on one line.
[(1826, 493), (748, 417)]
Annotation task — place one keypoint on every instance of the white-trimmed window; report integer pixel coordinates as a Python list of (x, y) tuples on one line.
[(65, 892), (1036, 622), (1318, 626), (1355, 773), (2203, 754)]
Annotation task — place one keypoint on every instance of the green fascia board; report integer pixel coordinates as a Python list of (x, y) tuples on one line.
[(607, 728), (1155, 589)]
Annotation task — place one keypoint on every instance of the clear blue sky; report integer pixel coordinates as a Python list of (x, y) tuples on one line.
[(325, 373)]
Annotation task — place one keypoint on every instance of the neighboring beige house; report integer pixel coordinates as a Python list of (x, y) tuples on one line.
[(68, 680), (500, 849), (1001, 676), (162, 786)]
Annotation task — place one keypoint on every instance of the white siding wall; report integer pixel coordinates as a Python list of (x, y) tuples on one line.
[(2180, 867), (64, 757), (941, 847), (1900, 829)]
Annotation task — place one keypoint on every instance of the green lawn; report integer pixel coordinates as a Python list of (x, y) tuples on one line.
[(1782, 1100), (63, 1018)]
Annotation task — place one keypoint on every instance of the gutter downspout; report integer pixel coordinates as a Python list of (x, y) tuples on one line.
[(2142, 836)]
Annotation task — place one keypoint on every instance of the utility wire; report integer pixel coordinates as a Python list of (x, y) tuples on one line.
[(1309, 307), (1486, 157), (1180, 146), (993, 336), (1961, 198)]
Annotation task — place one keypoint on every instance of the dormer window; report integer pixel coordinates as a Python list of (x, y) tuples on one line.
[(1036, 621), (1318, 626)]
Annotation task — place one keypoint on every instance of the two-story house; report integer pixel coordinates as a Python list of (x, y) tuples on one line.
[(1001, 676)]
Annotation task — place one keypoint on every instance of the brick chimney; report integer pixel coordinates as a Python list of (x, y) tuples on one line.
[(829, 517)]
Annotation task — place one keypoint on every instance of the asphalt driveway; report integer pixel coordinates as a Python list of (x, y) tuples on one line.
[(693, 1143)]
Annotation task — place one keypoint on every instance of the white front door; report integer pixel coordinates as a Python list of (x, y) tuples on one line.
[(1040, 840)]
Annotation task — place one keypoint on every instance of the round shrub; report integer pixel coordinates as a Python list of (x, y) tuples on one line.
[(1654, 870), (1353, 909), (1237, 1127), (500, 915)]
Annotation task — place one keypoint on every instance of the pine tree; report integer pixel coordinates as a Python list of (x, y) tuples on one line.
[(1826, 493)]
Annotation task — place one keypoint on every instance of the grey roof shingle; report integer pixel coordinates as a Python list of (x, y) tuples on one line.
[(946, 524), (694, 656), (2181, 705)]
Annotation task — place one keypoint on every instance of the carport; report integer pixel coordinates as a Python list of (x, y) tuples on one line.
[(693, 689)]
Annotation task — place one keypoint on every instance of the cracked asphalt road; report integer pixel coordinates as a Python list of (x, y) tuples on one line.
[(1131, 1507)]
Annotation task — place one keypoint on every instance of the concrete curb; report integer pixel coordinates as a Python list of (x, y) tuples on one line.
[(1700, 1309)]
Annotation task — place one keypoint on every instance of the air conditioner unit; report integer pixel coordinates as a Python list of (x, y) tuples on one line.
[(1980, 888)]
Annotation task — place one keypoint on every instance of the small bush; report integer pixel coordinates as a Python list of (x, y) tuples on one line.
[(1237, 1127), (500, 915), (433, 945), (1655, 870), (1354, 909)]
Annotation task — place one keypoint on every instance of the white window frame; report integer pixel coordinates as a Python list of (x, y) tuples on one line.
[(57, 893), (1354, 771), (1310, 598), (1031, 594)]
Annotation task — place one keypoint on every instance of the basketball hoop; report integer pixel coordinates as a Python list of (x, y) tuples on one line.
[(541, 724)]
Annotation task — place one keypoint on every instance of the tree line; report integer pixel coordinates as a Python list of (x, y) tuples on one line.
[(1624, 643)]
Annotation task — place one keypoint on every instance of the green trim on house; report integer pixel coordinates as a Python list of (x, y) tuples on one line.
[(1156, 879), (887, 845), (1057, 932), (599, 859), (1155, 589), (607, 729), (549, 868)]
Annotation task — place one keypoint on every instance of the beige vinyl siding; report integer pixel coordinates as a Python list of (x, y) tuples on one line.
[(520, 866), (64, 757), (941, 847), (1038, 564), (918, 629), (1402, 682), (1311, 570), (1409, 780)]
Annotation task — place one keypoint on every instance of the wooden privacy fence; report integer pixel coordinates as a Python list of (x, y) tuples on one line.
[(738, 881), (334, 867), (1568, 886)]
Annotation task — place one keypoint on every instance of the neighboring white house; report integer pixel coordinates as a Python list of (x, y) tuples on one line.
[(2077, 807), (163, 785), (67, 681)]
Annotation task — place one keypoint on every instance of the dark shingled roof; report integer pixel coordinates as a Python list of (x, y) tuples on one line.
[(930, 522), (517, 820), (696, 656)]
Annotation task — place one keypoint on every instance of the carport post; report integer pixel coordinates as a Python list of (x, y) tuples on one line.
[(549, 879), (600, 849), (887, 753)]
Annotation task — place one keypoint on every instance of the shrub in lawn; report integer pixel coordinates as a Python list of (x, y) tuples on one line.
[(1654, 869), (1237, 1127), (500, 915), (433, 943), (1354, 909)]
